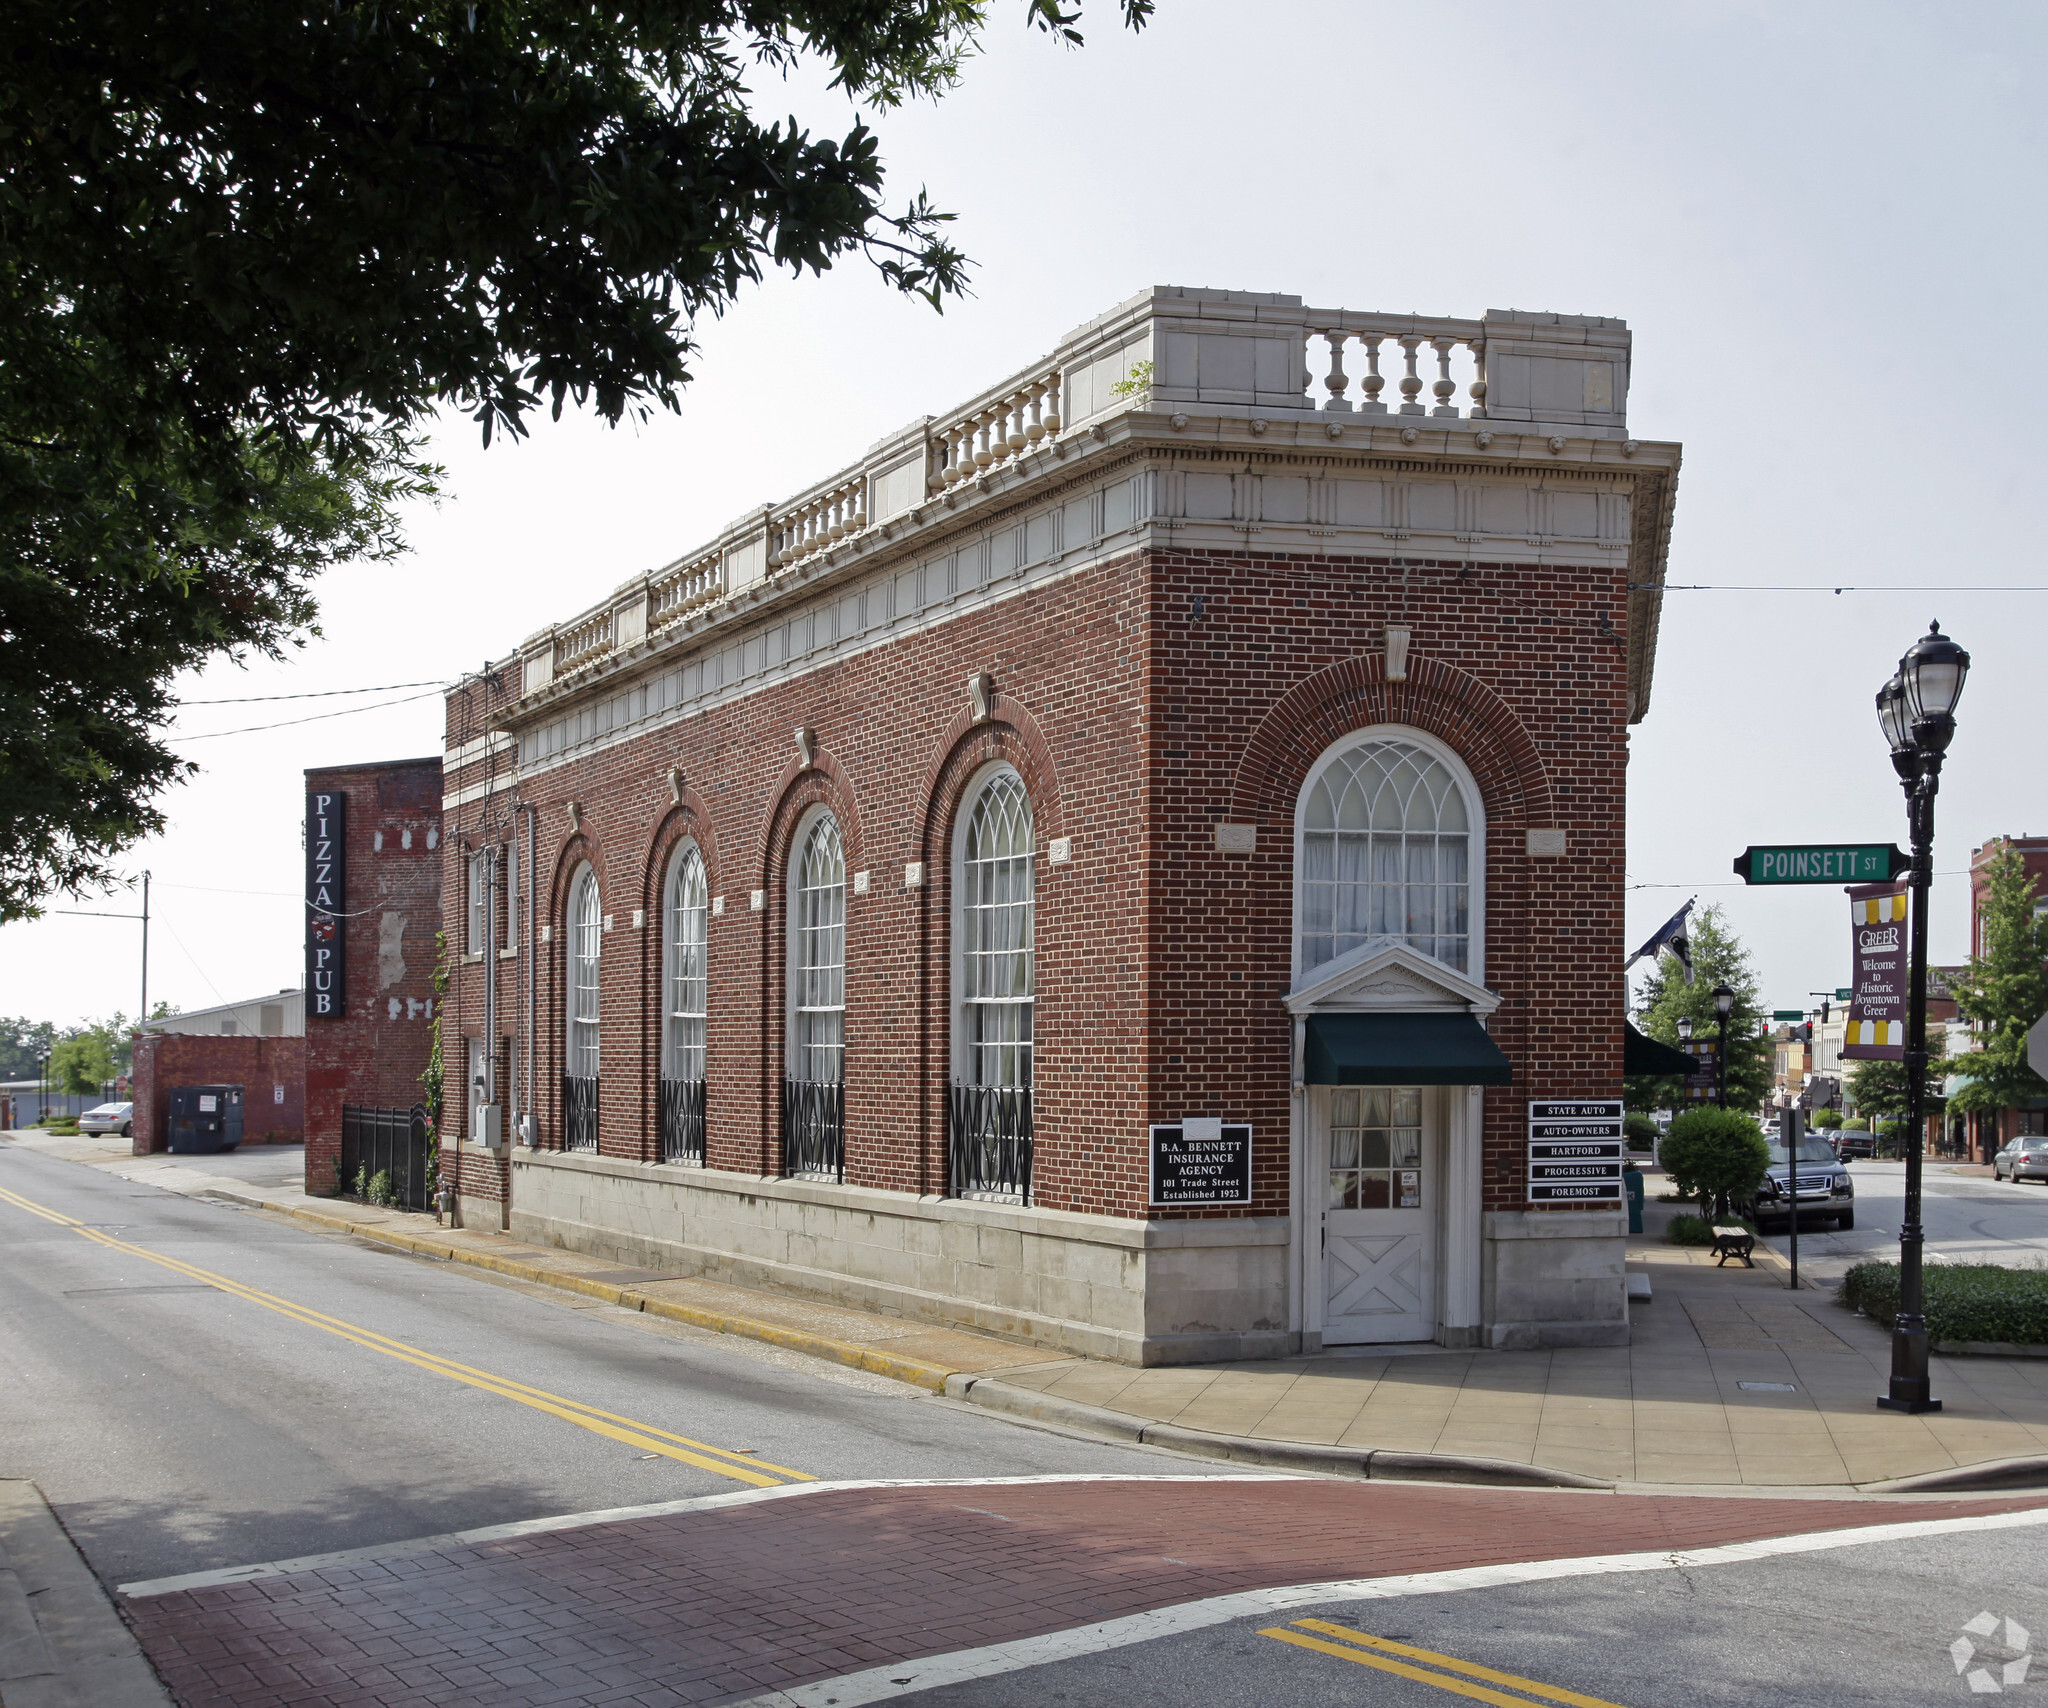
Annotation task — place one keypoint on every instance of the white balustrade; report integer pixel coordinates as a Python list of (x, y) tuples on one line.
[(583, 641), (1466, 342), (680, 591)]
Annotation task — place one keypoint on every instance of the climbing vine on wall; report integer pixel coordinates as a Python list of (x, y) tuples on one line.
[(434, 1076)]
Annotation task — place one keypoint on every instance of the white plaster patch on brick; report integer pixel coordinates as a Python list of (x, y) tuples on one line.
[(639, 918), (390, 949), (405, 839), (1546, 844), (433, 840), (757, 899), (1237, 838), (913, 875), (608, 921), (861, 881), (394, 1008), (1060, 850), (377, 842), (718, 907), (547, 933)]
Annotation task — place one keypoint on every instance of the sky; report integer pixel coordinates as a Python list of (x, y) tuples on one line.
[(1820, 221)]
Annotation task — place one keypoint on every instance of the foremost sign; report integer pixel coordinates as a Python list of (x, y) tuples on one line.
[(326, 898), (1823, 863), (1575, 1152)]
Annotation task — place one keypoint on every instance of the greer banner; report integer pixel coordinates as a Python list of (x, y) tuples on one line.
[(1878, 953)]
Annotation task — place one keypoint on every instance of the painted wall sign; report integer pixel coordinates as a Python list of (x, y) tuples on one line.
[(1201, 1161), (326, 902), (1575, 1151), (1876, 1031)]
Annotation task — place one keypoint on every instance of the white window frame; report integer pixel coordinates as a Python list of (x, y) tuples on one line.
[(799, 850), (476, 930), (583, 933), (1475, 847), (685, 855), (963, 1040)]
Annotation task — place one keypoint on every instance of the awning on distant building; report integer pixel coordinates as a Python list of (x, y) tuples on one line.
[(1402, 1049), (1641, 1053)]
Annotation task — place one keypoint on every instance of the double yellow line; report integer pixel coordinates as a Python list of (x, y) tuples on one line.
[(1379, 1652), (629, 1431)]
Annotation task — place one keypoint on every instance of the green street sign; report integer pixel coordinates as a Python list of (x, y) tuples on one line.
[(1845, 996), (1788, 1014), (1822, 863)]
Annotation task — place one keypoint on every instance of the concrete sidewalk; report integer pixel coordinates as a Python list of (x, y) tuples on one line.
[(1731, 1381)]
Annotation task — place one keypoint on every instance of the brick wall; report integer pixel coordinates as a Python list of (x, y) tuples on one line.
[(374, 1054), (261, 1066), (1144, 700)]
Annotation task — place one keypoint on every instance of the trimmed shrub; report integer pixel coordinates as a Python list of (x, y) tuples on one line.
[(1965, 1301), (1715, 1155), (1640, 1130), (1828, 1119)]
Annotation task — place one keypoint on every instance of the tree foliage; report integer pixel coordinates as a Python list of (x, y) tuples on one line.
[(1714, 1155), (1879, 1088), (250, 247), (1718, 958), (2004, 989)]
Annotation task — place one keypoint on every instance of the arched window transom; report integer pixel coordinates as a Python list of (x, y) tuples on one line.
[(1385, 854), (586, 935), (683, 972)]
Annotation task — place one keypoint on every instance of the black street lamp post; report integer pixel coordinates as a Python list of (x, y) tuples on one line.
[(1916, 710), (1724, 1005)]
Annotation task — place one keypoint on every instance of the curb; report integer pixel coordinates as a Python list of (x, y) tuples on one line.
[(914, 1371), (1370, 1463), (2026, 1471), (62, 1645)]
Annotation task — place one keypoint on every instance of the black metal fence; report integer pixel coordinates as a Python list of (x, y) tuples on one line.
[(390, 1143), (813, 1129), (579, 1113), (988, 1141), (682, 1120)]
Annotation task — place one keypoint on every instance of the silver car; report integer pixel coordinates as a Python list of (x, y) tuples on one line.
[(2026, 1158), (109, 1118)]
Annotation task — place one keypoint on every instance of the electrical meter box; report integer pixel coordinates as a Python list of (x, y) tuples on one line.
[(205, 1119)]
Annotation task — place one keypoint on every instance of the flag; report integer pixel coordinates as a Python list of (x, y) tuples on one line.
[(1670, 935)]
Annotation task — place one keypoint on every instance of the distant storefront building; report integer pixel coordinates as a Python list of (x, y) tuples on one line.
[(1115, 867)]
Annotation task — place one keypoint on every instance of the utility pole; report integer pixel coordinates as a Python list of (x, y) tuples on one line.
[(142, 1014)]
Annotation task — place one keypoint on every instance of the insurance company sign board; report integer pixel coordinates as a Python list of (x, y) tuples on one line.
[(1876, 1029), (1201, 1161), (1575, 1151), (326, 902)]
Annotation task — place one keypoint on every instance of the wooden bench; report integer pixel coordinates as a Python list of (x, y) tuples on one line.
[(1734, 1242)]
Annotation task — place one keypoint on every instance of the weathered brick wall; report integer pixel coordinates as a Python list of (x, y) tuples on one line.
[(1139, 720), (376, 1052), (261, 1066)]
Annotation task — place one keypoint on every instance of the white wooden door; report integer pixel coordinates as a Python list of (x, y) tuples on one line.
[(1379, 1214)]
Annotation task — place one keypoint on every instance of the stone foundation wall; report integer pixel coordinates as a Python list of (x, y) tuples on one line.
[(1555, 1278), (1138, 1292)]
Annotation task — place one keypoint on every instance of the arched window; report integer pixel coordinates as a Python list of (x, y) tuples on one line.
[(813, 1104), (989, 1113), (683, 985), (1387, 830), (579, 1076)]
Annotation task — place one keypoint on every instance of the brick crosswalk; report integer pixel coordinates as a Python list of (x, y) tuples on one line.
[(712, 1605)]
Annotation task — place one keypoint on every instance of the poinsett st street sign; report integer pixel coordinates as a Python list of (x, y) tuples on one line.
[(1822, 863)]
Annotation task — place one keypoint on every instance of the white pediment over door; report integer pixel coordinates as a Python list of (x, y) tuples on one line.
[(1387, 977)]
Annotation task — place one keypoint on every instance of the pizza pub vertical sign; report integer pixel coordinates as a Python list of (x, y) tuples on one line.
[(326, 902), (1575, 1151)]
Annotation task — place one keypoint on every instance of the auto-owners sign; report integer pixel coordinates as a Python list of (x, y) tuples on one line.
[(1575, 1151)]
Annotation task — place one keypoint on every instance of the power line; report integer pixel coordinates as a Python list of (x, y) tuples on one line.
[(323, 694), (1806, 587), (317, 717)]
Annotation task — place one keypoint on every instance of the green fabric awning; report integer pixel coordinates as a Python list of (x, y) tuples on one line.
[(1641, 1053), (1402, 1049)]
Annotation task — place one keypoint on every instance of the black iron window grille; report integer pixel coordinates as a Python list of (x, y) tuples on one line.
[(814, 1129), (387, 1154), (988, 1141), (682, 1120), (579, 1112)]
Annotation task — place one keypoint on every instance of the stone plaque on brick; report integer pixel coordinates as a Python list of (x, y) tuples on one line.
[(1575, 1151), (1201, 1162)]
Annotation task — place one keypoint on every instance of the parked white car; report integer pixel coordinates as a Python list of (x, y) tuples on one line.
[(109, 1118)]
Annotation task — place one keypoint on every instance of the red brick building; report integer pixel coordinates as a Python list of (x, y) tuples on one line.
[(1114, 868), (270, 1070), (373, 873), (1987, 1132)]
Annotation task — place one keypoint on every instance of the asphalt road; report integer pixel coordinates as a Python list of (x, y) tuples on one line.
[(1866, 1625), (1968, 1218), (177, 1427)]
